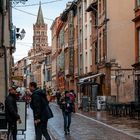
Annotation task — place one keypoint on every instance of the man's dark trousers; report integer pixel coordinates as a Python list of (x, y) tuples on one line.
[(41, 129), (12, 129), (67, 120)]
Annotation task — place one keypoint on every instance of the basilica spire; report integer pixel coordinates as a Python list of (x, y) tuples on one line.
[(40, 19)]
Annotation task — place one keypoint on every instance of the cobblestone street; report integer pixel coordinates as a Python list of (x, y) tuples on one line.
[(84, 128)]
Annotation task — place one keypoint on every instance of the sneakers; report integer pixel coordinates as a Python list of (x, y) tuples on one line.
[(67, 131)]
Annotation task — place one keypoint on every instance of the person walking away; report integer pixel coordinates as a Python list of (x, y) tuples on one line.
[(72, 96), (11, 111), (58, 96), (39, 111), (26, 97), (66, 106)]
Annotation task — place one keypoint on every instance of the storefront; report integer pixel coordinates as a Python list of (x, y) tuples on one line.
[(89, 87)]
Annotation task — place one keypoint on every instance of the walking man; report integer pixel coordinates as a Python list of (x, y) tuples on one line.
[(12, 113), (66, 106), (58, 96), (39, 111)]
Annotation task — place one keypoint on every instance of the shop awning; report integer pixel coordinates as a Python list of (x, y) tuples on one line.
[(85, 83), (90, 77)]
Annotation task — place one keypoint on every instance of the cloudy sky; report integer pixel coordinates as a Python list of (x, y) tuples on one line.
[(25, 15)]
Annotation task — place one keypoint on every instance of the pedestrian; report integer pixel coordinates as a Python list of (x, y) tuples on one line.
[(58, 96), (66, 106), (11, 111), (26, 97), (72, 97), (38, 105)]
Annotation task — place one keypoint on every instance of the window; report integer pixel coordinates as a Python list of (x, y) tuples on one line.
[(81, 64), (86, 58), (86, 69), (104, 4), (85, 6), (86, 43), (139, 44), (99, 6), (0, 5), (138, 2), (48, 75), (85, 31), (42, 33), (96, 52)]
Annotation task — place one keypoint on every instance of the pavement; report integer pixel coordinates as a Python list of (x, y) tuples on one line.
[(91, 126), (86, 126)]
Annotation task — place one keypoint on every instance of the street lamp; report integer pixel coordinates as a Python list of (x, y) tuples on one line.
[(14, 2), (20, 35)]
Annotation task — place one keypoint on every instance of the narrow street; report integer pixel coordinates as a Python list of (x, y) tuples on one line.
[(83, 128)]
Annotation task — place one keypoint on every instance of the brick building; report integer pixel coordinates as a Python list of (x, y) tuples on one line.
[(136, 65)]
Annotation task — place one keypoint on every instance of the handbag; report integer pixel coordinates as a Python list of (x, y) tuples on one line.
[(49, 112)]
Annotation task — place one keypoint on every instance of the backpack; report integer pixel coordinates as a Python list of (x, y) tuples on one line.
[(71, 96)]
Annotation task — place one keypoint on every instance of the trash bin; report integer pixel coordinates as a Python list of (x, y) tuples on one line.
[(3, 122)]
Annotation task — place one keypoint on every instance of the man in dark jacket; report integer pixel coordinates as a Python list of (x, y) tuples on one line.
[(67, 108), (40, 115), (12, 112)]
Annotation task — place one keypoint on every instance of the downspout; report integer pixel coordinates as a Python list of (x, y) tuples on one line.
[(108, 67), (4, 49), (106, 20)]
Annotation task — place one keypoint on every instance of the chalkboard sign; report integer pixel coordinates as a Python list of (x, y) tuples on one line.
[(22, 112)]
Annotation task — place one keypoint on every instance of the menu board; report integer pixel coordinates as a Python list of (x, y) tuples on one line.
[(22, 112)]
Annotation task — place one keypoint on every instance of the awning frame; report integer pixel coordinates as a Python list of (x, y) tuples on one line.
[(89, 77)]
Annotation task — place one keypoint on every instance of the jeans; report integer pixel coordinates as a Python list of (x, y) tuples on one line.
[(67, 120), (12, 130), (41, 129)]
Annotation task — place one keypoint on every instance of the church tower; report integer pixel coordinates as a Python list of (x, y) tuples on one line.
[(40, 38), (40, 48)]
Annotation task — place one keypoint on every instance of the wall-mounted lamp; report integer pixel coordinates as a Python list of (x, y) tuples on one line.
[(20, 34), (14, 2)]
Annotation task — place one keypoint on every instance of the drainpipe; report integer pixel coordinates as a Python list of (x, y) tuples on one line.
[(106, 20), (108, 66), (4, 49)]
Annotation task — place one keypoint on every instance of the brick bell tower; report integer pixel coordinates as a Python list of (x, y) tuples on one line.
[(40, 45), (40, 38)]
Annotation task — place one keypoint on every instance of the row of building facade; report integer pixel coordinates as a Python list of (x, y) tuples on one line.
[(7, 46), (94, 50)]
